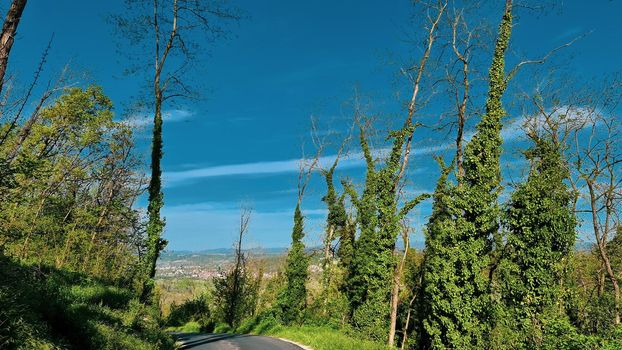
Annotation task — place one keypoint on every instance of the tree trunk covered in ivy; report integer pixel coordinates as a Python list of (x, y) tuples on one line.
[(463, 226), (345, 251), (371, 272), (293, 299), (336, 222), (155, 226), (541, 235)]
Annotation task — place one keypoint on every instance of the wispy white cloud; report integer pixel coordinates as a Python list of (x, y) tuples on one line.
[(143, 119), (511, 132), (353, 160), (514, 129)]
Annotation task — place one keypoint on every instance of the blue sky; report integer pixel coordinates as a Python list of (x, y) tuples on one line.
[(285, 62)]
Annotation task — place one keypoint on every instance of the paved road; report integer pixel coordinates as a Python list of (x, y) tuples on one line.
[(197, 341)]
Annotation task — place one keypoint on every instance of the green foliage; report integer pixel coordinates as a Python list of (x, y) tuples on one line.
[(293, 298), (48, 308), (370, 276), (222, 328), (446, 317), (188, 327), (330, 307), (316, 337), (345, 251), (67, 222), (463, 226), (235, 296), (336, 226), (541, 235), (74, 180), (191, 311)]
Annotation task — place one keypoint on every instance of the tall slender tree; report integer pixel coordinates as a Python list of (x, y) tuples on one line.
[(378, 213), (235, 290), (292, 300), (336, 220), (378, 218), (541, 235), (456, 291), (173, 30)]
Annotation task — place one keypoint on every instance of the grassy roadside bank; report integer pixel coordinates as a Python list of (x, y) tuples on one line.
[(321, 338), (46, 308)]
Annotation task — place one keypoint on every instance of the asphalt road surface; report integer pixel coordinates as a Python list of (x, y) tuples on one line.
[(197, 341)]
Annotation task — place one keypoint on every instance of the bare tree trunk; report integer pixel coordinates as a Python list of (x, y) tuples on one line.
[(408, 314), (395, 294), (7, 37), (395, 291)]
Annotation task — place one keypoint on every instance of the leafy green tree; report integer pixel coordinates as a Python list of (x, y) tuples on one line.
[(70, 203), (345, 251), (293, 298), (440, 281), (378, 217), (464, 225), (336, 221), (541, 235)]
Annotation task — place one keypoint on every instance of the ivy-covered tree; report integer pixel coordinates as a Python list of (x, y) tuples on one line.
[(378, 217), (439, 281), (458, 311), (345, 251), (293, 299), (541, 235), (336, 221), (173, 35), (378, 214)]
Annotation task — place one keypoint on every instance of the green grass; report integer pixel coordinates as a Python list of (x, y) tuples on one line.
[(45, 308), (320, 338), (189, 327)]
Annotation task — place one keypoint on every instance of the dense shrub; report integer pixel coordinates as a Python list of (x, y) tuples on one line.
[(194, 310)]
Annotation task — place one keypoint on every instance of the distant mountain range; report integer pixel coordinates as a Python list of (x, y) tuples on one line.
[(419, 245)]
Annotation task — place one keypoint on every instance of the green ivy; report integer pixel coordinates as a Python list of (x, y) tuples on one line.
[(541, 235), (293, 299), (464, 224)]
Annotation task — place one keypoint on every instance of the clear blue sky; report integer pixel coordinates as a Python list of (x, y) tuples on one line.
[(287, 61)]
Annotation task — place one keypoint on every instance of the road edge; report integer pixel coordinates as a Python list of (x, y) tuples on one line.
[(305, 347)]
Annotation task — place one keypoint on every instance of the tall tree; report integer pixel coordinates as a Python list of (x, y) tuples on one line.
[(175, 28), (456, 291), (293, 298), (378, 217), (336, 220), (378, 212), (541, 235), (598, 161), (439, 280)]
